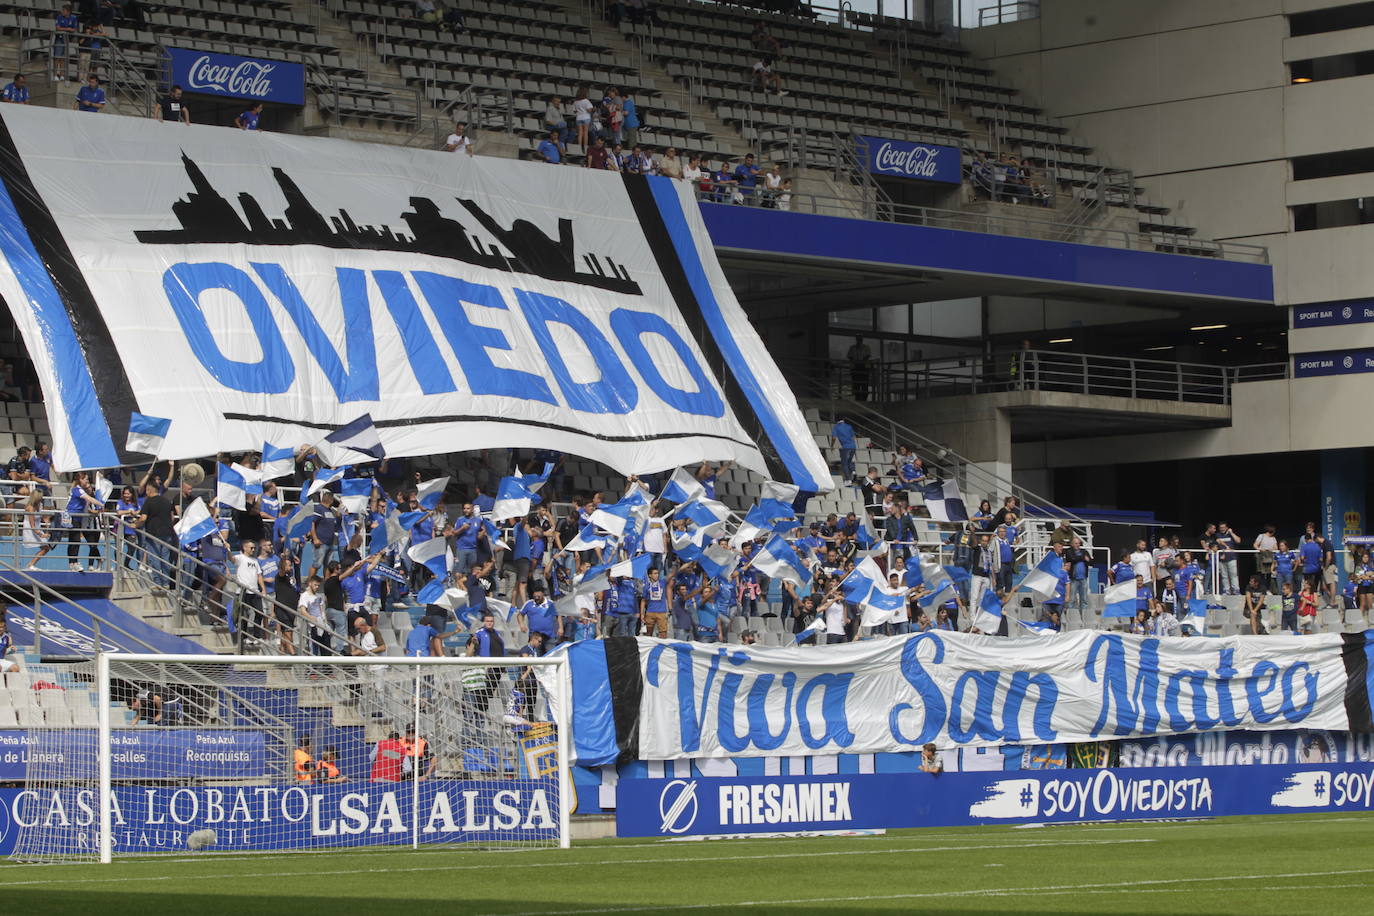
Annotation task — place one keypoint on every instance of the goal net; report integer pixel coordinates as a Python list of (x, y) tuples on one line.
[(203, 755)]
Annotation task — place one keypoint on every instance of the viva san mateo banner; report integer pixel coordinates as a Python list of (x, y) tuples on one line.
[(655, 699), (706, 807), (267, 817), (145, 753), (251, 78), (905, 159), (271, 288)]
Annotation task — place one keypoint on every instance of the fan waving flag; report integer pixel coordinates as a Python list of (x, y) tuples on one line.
[(587, 539), (196, 523), (432, 554), (323, 478), (988, 618), (945, 502), (230, 488), (513, 499), (276, 462), (816, 627), (354, 441), (146, 434), (777, 560), (1045, 578), (705, 513), (636, 567), (1119, 600), (431, 492), (682, 487)]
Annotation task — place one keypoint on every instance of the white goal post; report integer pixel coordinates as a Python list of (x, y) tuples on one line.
[(204, 754)]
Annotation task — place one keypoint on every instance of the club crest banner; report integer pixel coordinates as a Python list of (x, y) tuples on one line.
[(654, 699), (263, 287)]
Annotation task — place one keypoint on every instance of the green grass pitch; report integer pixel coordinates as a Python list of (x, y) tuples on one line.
[(1253, 866)]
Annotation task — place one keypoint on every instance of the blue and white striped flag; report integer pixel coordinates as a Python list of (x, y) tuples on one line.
[(431, 492), (682, 487), (323, 478), (196, 523), (146, 434), (1119, 600), (230, 488), (276, 462), (815, 629), (988, 617), (300, 521), (776, 559), (354, 441), (1044, 579), (432, 554)]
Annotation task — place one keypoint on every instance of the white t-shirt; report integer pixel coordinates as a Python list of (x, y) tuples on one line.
[(654, 541), (368, 642), (247, 572), (834, 619), (459, 142), (761, 67), (583, 110), (1142, 563), (312, 606), (691, 173)]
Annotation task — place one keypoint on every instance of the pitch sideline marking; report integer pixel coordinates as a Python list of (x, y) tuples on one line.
[(1049, 890), (506, 866)]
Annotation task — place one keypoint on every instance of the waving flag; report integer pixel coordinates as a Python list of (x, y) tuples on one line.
[(1197, 614), (276, 462), (705, 513), (945, 502), (146, 434), (868, 542), (230, 487), (323, 478), (780, 492), (356, 439), (1038, 626), (682, 487), (815, 629), (942, 592), (431, 492), (1119, 600), (718, 562), (103, 487), (513, 499), (432, 554), (354, 494), (298, 525), (756, 524), (587, 539), (196, 523), (777, 560), (988, 617), (687, 545), (912, 575), (494, 535), (378, 539), (636, 567), (1045, 578), (433, 592), (594, 580), (612, 519)]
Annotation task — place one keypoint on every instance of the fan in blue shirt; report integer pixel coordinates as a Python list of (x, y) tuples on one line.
[(248, 119), (90, 97), (17, 92), (1311, 553), (540, 614)]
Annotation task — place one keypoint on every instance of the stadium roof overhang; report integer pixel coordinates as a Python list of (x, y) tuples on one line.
[(783, 263)]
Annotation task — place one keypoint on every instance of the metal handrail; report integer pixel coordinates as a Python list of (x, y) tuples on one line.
[(1031, 370), (270, 606), (1005, 11)]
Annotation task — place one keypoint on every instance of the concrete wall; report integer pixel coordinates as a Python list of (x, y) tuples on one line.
[(1194, 97)]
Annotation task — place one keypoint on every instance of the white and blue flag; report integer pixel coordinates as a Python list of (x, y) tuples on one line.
[(682, 487), (276, 462), (777, 560), (1119, 600), (636, 567), (988, 617), (431, 492), (146, 434), (323, 478), (103, 487), (432, 554), (718, 562), (612, 519), (230, 488), (300, 521), (196, 523), (354, 493), (587, 539), (354, 443), (705, 513), (514, 499), (1045, 578)]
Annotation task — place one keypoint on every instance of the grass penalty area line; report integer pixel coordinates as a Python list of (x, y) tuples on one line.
[(1046, 891), (506, 866)]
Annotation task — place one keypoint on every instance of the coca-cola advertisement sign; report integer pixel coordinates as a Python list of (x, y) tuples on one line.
[(904, 159), (251, 78)]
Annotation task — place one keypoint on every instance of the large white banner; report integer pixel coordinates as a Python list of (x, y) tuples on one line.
[(963, 690), (260, 287)]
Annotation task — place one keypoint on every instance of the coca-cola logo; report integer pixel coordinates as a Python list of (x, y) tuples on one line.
[(912, 161), (248, 78)]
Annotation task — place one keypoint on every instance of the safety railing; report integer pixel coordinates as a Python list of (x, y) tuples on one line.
[(125, 71), (1027, 370), (860, 207), (1004, 11)]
